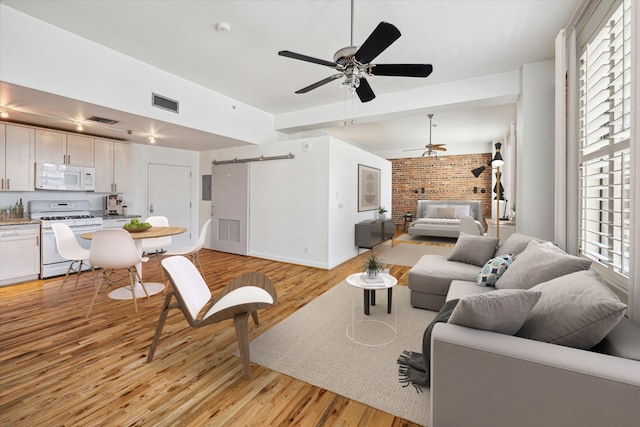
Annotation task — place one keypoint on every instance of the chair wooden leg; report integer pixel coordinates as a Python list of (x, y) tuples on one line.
[(64, 282), (95, 295), (133, 289), (242, 334), (163, 316), (254, 315), (78, 271)]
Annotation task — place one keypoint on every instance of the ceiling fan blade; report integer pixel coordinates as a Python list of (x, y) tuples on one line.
[(440, 148), (414, 149), (306, 58), (364, 91), (320, 83), (380, 39), (401, 70)]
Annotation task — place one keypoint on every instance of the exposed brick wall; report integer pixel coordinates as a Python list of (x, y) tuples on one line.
[(445, 178)]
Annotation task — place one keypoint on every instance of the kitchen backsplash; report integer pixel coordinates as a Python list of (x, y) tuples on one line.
[(10, 198)]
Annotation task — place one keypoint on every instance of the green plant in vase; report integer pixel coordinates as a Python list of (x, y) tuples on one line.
[(381, 213), (373, 266)]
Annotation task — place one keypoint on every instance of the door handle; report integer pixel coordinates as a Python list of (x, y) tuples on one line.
[(151, 208)]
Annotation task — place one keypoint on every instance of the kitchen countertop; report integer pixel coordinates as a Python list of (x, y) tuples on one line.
[(120, 216), (18, 221)]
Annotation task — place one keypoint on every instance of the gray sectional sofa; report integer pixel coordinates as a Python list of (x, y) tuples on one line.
[(553, 367)]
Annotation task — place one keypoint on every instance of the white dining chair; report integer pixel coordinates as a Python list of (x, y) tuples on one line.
[(192, 251), (156, 246), (69, 249), (114, 249), (242, 297)]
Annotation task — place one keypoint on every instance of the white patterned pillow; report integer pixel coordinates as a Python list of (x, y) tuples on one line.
[(493, 269)]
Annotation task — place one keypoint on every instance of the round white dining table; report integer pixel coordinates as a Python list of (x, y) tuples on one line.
[(152, 287)]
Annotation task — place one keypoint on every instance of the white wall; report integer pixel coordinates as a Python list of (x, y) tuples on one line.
[(41, 56), (294, 212), (535, 151)]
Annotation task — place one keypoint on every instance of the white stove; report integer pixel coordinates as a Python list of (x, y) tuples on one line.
[(77, 215)]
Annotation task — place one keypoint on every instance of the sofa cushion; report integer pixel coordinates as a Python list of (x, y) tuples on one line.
[(461, 288), (538, 263), (475, 250), (493, 269), (514, 244), (502, 311), (576, 310)]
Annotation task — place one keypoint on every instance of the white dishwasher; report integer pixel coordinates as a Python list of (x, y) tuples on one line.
[(19, 253)]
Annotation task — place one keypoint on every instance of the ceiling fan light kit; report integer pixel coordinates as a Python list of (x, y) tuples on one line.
[(353, 63)]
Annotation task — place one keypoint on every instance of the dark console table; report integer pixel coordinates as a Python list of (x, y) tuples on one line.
[(372, 232)]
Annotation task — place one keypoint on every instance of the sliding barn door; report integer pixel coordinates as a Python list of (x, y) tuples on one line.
[(230, 208)]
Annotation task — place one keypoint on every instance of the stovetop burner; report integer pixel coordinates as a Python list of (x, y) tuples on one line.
[(61, 218)]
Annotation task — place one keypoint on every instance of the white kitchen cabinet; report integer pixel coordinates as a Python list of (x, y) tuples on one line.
[(16, 158), (114, 223), (113, 166), (63, 148), (19, 253)]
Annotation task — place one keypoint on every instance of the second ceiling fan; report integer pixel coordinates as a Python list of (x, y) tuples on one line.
[(430, 148), (353, 63)]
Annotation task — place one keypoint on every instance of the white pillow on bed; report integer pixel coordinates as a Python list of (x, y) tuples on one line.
[(432, 211), (447, 213), (463, 210)]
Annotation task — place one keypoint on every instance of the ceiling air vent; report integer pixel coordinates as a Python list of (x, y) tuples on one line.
[(164, 102), (102, 120)]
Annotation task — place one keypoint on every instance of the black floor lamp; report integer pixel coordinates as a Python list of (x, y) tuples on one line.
[(496, 163)]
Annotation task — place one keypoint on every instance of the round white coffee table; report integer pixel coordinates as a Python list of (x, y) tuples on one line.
[(367, 322)]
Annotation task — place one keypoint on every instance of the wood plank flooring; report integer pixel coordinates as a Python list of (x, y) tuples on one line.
[(59, 369)]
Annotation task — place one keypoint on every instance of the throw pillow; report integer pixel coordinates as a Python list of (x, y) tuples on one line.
[(462, 211), (493, 269), (432, 211), (514, 244), (497, 311), (576, 310), (538, 263), (475, 250), (447, 213)]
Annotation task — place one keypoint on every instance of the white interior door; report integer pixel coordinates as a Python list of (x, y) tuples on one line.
[(230, 208), (169, 194)]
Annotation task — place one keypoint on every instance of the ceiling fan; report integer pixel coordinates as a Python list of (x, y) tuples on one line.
[(430, 148), (353, 63)]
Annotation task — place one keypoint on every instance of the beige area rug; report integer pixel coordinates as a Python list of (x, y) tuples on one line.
[(408, 255), (312, 345), (406, 238)]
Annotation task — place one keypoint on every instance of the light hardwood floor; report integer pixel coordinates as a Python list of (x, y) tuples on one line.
[(58, 368)]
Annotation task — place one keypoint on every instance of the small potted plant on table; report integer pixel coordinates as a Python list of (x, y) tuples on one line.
[(373, 266), (381, 213)]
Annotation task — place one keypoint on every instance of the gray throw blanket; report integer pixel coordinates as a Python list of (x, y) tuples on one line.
[(413, 367)]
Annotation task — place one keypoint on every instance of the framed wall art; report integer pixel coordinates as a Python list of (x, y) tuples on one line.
[(368, 188)]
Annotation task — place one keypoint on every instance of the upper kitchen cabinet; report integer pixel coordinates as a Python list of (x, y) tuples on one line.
[(113, 166), (16, 158), (67, 149)]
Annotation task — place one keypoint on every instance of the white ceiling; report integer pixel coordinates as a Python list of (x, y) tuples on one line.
[(461, 38)]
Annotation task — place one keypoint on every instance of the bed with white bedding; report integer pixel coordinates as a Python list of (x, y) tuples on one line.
[(441, 218)]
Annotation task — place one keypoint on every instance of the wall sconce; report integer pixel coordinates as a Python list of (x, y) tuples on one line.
[(477, 171), (4, 114), (152, 139)]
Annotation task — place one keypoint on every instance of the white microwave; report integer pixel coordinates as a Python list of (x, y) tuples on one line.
[(55, 176)]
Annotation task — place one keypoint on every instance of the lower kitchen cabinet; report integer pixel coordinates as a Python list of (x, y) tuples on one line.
[(19, 253)]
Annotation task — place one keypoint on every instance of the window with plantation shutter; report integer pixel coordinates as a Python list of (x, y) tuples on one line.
[(605, 154)]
